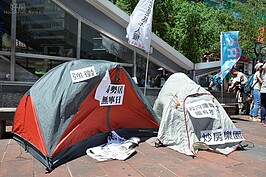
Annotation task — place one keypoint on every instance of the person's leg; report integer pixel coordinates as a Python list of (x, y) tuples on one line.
[(256, 104), (262, 107), (245, 104), (240, 102), (210, 85), (251, 106)]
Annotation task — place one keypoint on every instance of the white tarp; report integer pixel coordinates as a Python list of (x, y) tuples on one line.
[(183, 115)]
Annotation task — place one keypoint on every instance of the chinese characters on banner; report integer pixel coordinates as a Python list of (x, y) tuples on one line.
[(140, 25), (202, 109), (221, 136), (114, 95), (83, 74)]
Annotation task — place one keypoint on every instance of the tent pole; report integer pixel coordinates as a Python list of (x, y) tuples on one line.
[(221, 54), (146, 74), (222, 92)]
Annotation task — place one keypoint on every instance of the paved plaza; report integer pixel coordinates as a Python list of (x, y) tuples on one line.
[(149, 161)]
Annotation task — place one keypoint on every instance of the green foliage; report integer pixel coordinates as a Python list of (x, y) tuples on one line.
[(230, 3), (194, 28), (249, 20), (126, 5)]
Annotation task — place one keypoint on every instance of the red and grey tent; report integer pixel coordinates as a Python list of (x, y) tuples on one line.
[(59, 118)]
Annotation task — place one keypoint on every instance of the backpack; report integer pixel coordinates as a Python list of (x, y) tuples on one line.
[(249, 85)]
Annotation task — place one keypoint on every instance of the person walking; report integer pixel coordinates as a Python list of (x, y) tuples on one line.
[(255, 92), (263, 96)]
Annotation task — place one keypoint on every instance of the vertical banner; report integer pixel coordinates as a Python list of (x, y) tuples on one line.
[(230, 52), (140, 25)]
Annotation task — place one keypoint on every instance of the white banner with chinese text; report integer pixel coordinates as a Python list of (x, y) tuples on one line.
[(140, 25), (221, 136)]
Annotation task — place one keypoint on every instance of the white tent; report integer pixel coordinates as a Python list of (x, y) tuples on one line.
[(191, 118)]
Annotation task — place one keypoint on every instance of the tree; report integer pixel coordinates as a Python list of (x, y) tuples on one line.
[(194, 28), (249, 18)]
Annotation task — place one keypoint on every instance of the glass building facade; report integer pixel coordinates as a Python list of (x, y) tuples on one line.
[(37, 35)]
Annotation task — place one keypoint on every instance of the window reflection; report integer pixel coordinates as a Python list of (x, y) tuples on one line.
[(156, 74), (95, 45), (31, 69), (4, 68), (44, 28), (5, 25)]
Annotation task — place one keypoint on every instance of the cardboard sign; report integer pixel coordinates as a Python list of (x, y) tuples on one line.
[(83, 74)]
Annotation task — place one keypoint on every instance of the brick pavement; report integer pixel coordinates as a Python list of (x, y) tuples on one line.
[(149, 161)]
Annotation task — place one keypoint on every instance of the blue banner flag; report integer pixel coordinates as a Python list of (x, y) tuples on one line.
[(230, 53)]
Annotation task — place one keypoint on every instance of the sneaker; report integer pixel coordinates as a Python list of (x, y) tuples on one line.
[(262, 122), (256, 119)]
